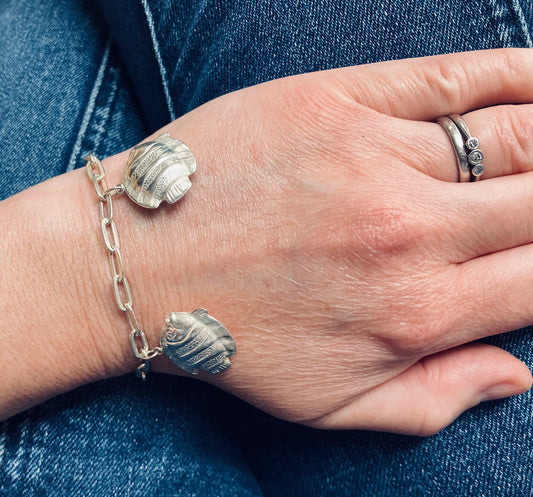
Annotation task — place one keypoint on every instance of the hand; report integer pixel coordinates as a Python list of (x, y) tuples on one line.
[(326, 230)]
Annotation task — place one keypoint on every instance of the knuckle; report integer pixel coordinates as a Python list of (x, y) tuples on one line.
[(388, 231), (453, 81), (430, 422), (411, 339), (458, 81), (419, 327), (433, 415), (510, 63)]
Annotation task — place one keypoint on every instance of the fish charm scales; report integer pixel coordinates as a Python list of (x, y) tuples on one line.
[(158, 170), (197, 342)]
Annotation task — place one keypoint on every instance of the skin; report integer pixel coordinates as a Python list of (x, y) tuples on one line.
[(325, 228)]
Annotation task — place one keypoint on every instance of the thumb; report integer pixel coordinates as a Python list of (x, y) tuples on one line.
[(433, 392)]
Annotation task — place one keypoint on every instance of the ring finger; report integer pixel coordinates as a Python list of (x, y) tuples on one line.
[(472, 220), (505, 136)]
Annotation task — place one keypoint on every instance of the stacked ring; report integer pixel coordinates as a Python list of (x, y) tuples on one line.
[(469, 156)]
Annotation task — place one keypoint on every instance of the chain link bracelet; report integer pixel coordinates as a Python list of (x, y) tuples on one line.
[(155, 171)]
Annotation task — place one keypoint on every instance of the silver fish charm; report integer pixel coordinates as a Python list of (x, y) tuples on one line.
[(158, 170), (196, 341)]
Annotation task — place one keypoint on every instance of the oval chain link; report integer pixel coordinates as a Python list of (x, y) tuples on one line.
[(121, 286), (115, 261)]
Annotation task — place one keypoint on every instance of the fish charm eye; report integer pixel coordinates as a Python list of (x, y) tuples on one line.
[(158, 170), (197, 342)]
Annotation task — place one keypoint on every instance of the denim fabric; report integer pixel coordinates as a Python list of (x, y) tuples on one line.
[(207, 48), (63, 91), (125, 438), (74, 78)]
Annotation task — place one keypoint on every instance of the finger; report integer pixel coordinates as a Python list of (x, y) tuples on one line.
[(505, 135), (475, 219), (426, 88), (491, 295), (432, 393), (460, 222)]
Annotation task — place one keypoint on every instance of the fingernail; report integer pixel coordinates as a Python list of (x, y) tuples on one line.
[(502, 390)]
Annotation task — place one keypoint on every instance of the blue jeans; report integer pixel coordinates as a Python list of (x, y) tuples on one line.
[(79, 76)]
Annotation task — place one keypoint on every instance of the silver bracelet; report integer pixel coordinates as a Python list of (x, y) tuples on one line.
[(155, 171)]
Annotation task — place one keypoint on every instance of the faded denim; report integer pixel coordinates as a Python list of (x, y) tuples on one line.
[(79, 76)]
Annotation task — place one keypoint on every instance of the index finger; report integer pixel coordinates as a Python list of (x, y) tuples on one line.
[(429, 87)]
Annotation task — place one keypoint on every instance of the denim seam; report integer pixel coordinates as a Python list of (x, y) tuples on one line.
[(3, 443), (40, 435), (192, 27), (502, 10), (515, 5), (90, 107), (159, 59), (22, 455), (102, 113)]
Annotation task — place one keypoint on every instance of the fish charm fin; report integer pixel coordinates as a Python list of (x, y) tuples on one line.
[(189, 369), (199, 312), (177, 190)]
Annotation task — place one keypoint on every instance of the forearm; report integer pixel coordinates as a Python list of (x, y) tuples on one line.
[(56, 325), (59, 322)]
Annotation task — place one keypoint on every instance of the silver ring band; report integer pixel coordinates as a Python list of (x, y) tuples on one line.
[(475, 155), (458, 143)]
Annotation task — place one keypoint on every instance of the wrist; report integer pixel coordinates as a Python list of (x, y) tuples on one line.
[(55, 319)]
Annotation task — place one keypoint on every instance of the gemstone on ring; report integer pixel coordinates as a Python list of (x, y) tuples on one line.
[(475, 157), (478, 170), (472, 143), (466, 146)]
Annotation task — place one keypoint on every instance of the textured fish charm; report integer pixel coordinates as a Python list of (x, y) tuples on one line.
[(196, 341), (158, 170)]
